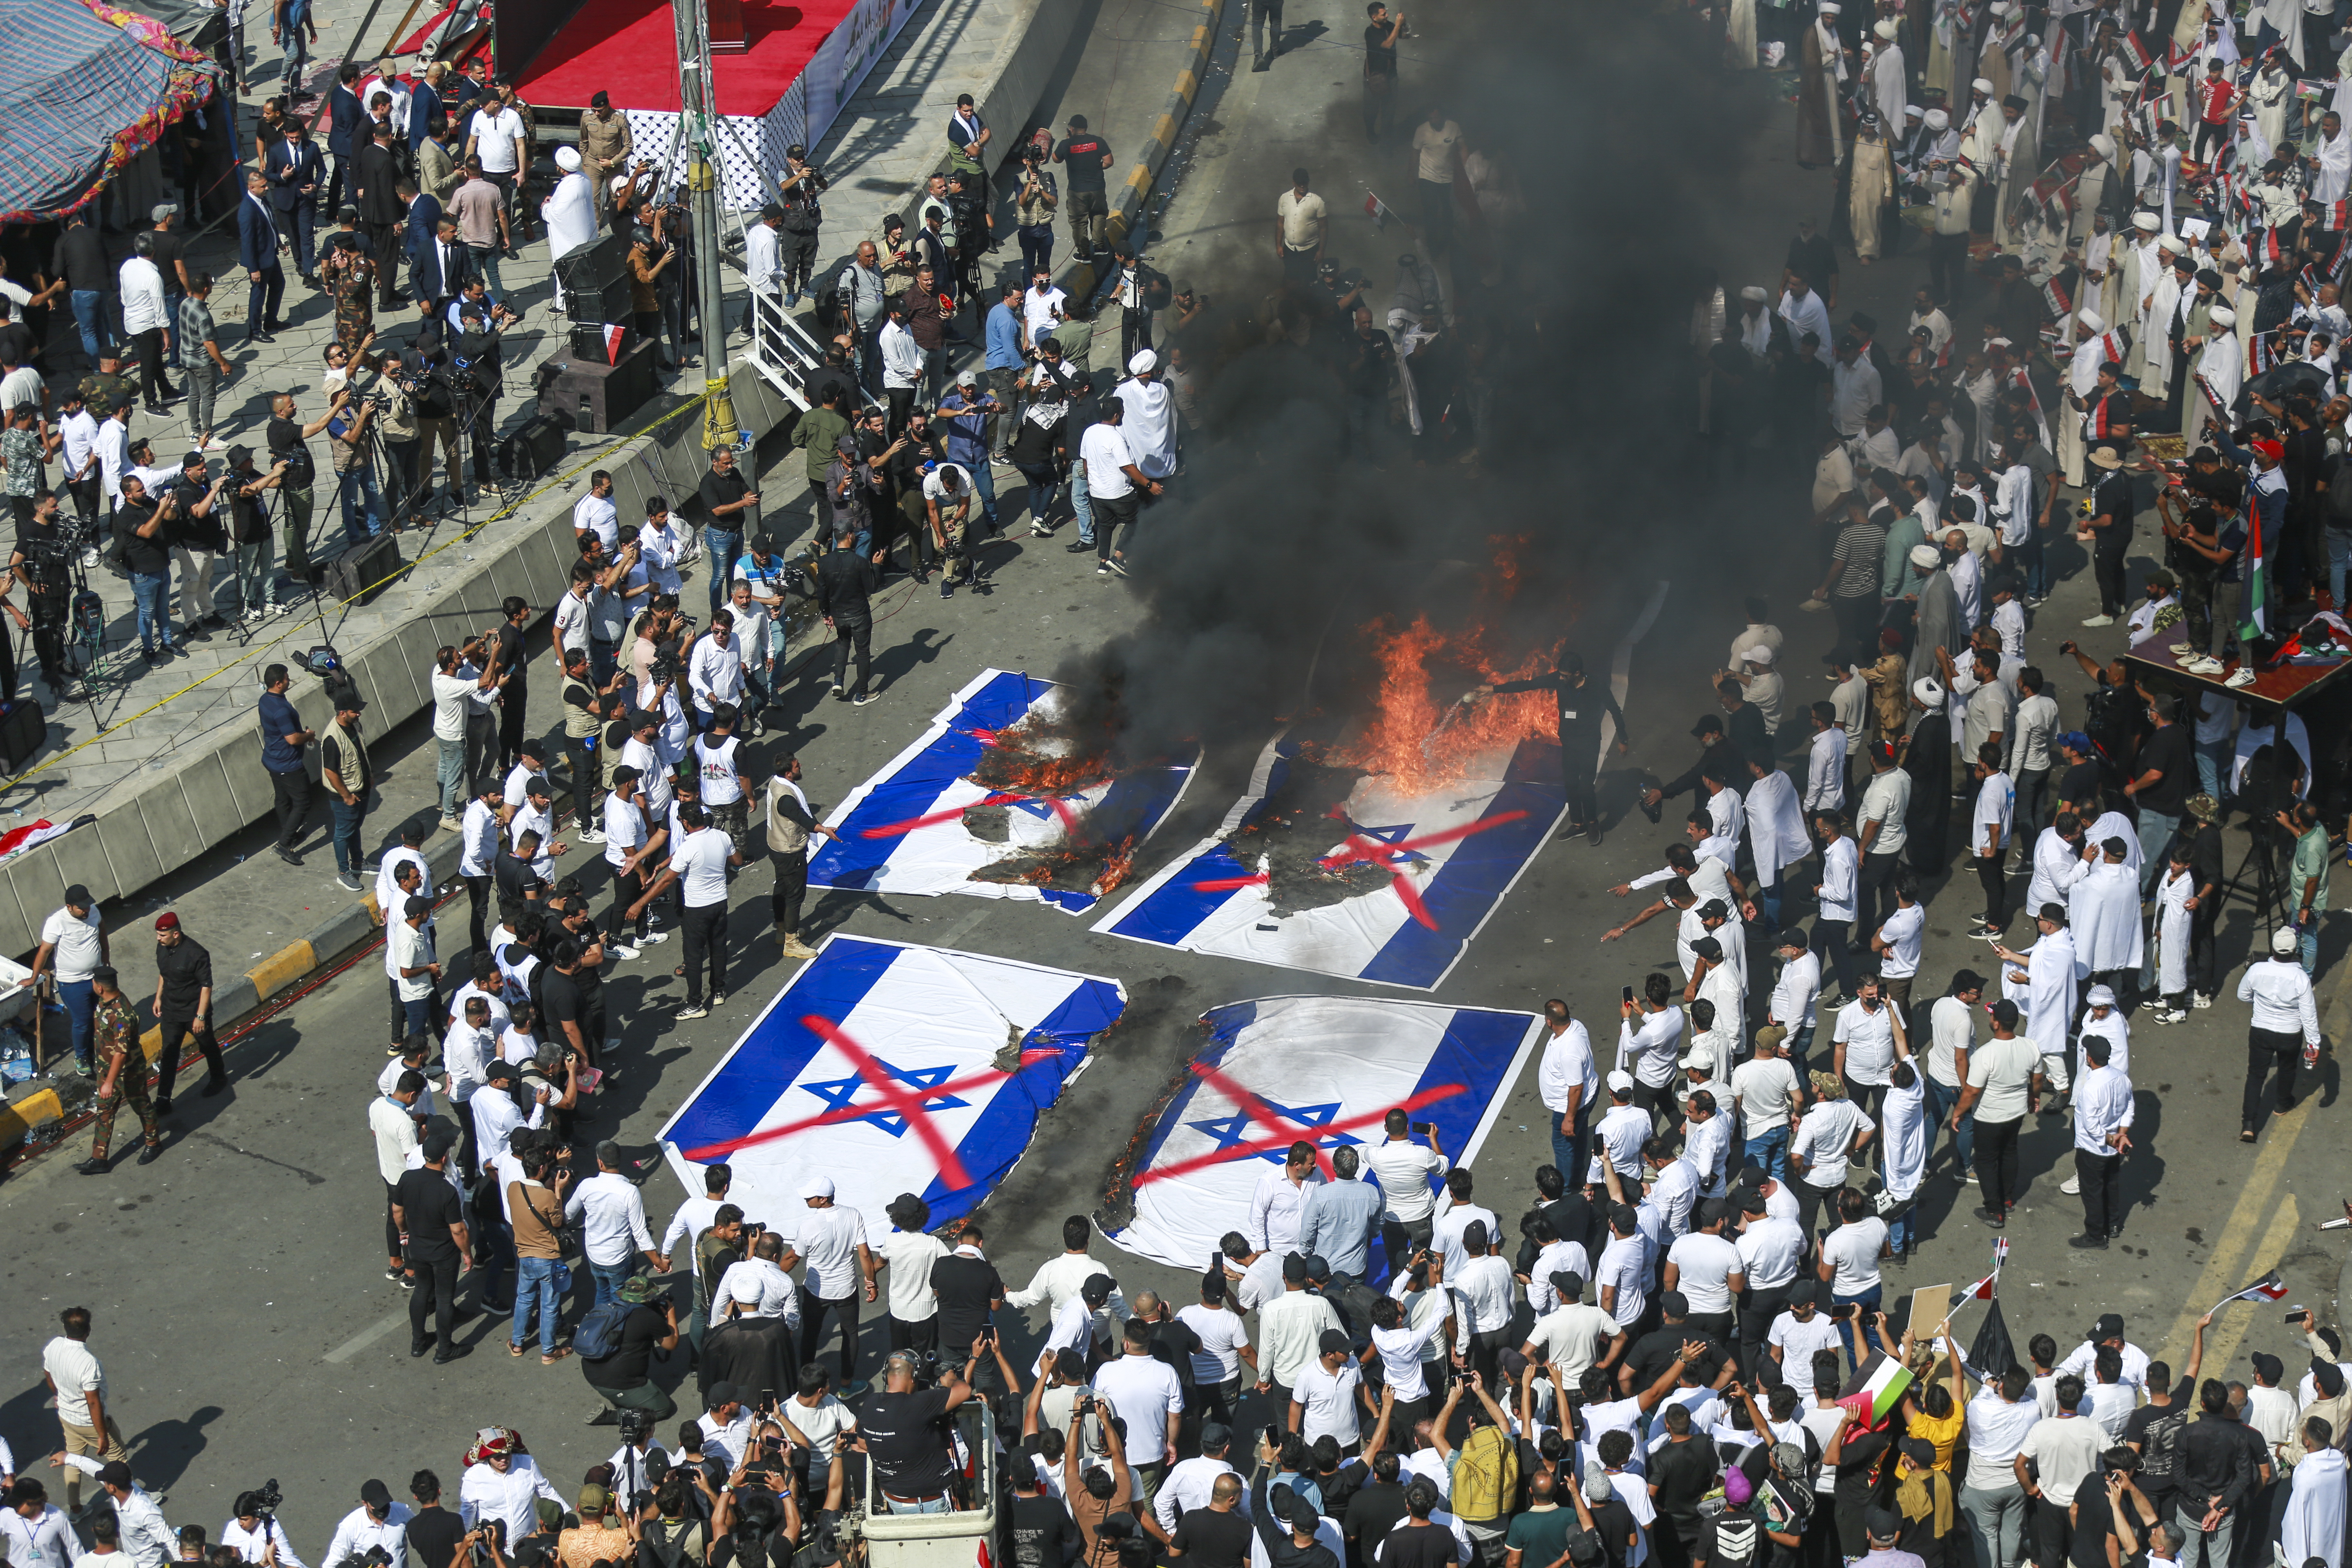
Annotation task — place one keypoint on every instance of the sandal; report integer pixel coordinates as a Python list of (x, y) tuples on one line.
[(513, 1350), (2246, 1137), (560, 1353)]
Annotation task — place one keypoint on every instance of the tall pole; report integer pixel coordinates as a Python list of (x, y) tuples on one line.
[(697, 101)]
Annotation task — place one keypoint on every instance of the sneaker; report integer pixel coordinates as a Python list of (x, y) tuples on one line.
[(2172, 1016), (2242, 676), (868, 696), (718, 998), (1039, 530), (1118, 565), (253, 616), (2071, 1187), (2098, 620), (395, 1274), (694, 1010), (651, 937), (623, 951), (2205, 666), (1970, 1177), (288, 855), (947, 589), (1103, 570), (1078, 546), (592, 836), (2200, 1001), (838, 689), (344, 881), (2180, 649)]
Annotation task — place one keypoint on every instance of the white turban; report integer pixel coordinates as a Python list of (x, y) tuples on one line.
[(1143, 361), (1753, 294), (2104, 145), (2222, 316), (2147, 222), (1983, 84), (1937, 119), (1929, 691), (568, 159), (1887, 29), (2092, 321)]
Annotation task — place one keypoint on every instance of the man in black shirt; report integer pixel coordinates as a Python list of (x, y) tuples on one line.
[(969, 1293), (625, 1378), (730, 506), (562, 1003), (287, 440), (2108, 532), (906, 1433), (431, 1219), (433, 1532), (846, 582), (514, 658), (1216, 1536), (1085, 155), (1375, 1509), (1579, 727), (144, 526), (183, 1006), (1681, 1473), (2220, 1464), (2164, 775), (1381, 36), (1043, 1533), (1653, 1352), (2202, 835), (80, 260)]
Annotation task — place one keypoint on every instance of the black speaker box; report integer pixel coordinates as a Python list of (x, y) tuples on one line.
[(535, 447), (596, 397), (593, 266), (23, 728), (588, 339), (364, 571)]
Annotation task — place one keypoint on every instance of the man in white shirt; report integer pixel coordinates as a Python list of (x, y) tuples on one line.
[(1766, 1095), (1274, 1208), (1061, 1279), (2283, 1020), (1116, 485), (611, 1215), (1707, 1269), (908, 1252), (36, 1533), (1566, 1081), (2102, 1120), (1623, 1129), (1896, 945), (1445, 1235), (1827, 1136), (1863, 1045), (1573, 1335), (840, 1272), (1797, 1335), (701, 864), (377, 1523), (1290, 1329), (758, 1287), (145, 321), (1771, 1249), (1649, 1043), (1145, 1393), (1402, 1168)]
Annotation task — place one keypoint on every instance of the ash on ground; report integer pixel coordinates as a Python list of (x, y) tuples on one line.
[(1293, 830), (1095, 869)]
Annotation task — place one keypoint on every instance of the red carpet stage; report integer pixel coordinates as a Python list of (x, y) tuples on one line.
[(629, 48)]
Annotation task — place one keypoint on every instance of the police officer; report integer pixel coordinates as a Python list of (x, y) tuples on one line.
[(123, 1071)]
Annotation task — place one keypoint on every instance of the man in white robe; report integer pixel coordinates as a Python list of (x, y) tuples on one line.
[(2103, 910), (2221, 364), (1776, 827), (2272, 93), (2314, 1526), (570, 211), (2101, 1017), (2331, 160), (1801, 307), (2175, 924), (2154, 343), (2041, 981), (1888, 86), (2081, 387)]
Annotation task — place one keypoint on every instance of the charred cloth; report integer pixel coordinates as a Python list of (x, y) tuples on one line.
[(1302, 820)]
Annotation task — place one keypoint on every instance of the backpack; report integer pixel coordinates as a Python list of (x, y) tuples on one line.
[(599, 1333), (1485, 1476)]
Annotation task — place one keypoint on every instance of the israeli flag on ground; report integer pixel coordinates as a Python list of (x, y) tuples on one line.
[(1408, 933), (891, 1068), (1329, 1069), (902, 831)]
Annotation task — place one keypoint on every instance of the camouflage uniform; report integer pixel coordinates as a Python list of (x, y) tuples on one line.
[(351, 278), (105, 392), (114, 1030)]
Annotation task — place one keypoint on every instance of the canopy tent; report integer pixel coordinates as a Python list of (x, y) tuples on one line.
[(83, 89)]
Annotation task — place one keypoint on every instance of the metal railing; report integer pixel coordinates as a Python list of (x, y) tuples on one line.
[(780, 348)]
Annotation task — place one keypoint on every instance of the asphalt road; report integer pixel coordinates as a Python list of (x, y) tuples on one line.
[(237, 1283)]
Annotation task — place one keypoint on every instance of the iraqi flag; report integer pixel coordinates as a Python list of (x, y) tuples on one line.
[(16, 840), (905, 829), (1322, 1070), (1875, 1390), (2269, 1288), (2138, 52), (889, 1069), (1376, 209)]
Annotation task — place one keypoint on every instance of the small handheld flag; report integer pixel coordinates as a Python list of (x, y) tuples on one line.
[(613, 336), (1875, 1390), (2269, 1288), (1376, 209)]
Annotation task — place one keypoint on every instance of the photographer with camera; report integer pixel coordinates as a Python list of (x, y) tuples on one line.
[(253, 1532), (376, 1531), (650, 257), (907, 1439), (143, 527), (288, 439), (347, 443), (617, 1341), (479, 373), (1034, 200), (803, 185), (41, 561)]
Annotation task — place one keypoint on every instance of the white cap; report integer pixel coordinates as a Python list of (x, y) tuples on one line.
[(1982, 84), (620, 182), (2147, 222), (2224, 316), (1754, 294), (2283, 941), (1622, 1082), (1705, 1059), (1929, 691), (568, 159), (1759, 654), (818, 1187), (2101, 997), (1936, 118), (1830, 7), (1144, 361), (2091, 320)]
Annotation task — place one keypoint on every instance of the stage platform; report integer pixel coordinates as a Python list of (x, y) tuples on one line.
[(2286, 686), (800, 64)]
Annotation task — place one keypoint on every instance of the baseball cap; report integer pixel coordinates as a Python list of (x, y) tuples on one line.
[(1621, 1082), (79, 894), (1330, 1341), (373, 1492)]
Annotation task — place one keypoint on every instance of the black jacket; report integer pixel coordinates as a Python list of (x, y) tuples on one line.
[(2218, 1463), (377, 175), (845, 583)]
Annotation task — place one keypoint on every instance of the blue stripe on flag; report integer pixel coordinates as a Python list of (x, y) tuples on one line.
[(854, 860), (994, 1142), (780, 1047), (1176, 909), (1481, 870)]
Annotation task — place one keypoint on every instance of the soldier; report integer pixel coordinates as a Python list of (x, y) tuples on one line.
[(114, 1035), (347, 274), (106, 388)]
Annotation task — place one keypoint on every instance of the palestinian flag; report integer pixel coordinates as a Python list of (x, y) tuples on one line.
[(2311, 91), (2270, 1287), (2256, 577), (1875, 1390), (2141, 59)]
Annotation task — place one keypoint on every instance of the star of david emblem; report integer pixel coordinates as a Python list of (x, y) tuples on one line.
[(841, 1094), (1231, 1132)]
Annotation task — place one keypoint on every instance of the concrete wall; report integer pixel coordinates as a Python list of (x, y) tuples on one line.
[(214, 787)]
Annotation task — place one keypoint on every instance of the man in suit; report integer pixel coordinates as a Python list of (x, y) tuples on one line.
[(423, 104), (345, 116), (257, 252), (382, 210), (439, 267), (296, 172)]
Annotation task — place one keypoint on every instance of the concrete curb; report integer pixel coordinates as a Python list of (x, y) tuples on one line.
[(348, 930), (1136, 193)]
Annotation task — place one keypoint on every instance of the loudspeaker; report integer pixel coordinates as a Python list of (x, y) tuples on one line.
[(535, 447), (595, 397), (364, 571), (596, 281), (588, 340), (23, 728)]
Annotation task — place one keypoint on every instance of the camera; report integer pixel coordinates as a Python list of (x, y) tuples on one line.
[(664, 670), (264, 1499)]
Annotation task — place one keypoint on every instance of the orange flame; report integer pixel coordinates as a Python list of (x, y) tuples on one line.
[(1421, 742)]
